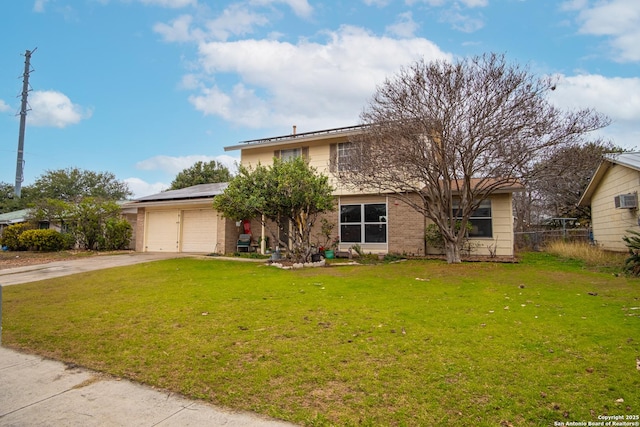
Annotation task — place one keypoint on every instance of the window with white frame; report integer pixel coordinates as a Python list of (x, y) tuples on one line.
[(363, 223), (346, 151), (480, 219)]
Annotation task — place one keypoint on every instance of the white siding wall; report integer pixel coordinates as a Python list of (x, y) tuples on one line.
[(611, 224)]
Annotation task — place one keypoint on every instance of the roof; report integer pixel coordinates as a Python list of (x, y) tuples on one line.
[(296, 137), (200, 191), (14, 217), (630, 160), (498, 186)]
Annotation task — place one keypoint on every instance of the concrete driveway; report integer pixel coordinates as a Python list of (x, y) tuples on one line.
[(34, 273), (40, 392)]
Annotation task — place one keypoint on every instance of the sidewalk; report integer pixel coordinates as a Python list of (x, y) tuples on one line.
[(41, 392)]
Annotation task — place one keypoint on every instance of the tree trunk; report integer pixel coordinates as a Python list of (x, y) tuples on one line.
[(452, 250)]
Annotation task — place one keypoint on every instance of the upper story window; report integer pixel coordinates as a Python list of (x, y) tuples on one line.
[(342, 156), (480, 219), (292, 153)]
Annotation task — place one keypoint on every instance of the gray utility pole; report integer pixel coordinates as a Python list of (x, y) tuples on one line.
[(23, 122)]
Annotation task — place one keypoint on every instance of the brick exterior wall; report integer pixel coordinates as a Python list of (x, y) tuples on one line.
[(406, 228)]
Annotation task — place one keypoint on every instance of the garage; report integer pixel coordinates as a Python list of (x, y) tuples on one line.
[(199, 230), (183, 221), (162, 231)]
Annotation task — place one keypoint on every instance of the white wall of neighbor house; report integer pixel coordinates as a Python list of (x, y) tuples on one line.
[(609, 223)]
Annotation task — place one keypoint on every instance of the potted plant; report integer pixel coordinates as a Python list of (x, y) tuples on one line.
[(330, 243)]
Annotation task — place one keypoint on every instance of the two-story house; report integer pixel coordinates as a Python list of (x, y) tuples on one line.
[(378, 223)]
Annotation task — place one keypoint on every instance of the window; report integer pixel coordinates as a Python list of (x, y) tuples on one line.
[(342, 157), (292, 153), (481, 224), (345, 152), (363, 223)]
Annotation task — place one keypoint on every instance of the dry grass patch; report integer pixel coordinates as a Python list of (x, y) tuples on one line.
[(592, 255)]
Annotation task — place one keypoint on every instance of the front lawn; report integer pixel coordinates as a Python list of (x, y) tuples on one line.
[(411, 343)]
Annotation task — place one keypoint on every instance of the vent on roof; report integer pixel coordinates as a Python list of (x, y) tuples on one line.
[(626, 201)]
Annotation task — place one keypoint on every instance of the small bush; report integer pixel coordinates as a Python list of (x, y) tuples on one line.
[(42, 240), (11, 237), (117, 235), (632, 263)]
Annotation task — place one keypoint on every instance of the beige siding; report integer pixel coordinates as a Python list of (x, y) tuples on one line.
[(405, 226), (611, 224), (319, 158)]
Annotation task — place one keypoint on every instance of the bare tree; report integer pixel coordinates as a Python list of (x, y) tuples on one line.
[(555, 184), (455, 133)]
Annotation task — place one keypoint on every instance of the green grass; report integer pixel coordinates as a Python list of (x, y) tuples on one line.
[(412, 343)]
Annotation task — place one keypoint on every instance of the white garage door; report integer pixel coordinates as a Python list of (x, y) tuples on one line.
[(162, 230), (199, 230)]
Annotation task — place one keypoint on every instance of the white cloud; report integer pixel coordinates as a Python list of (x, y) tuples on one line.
[(52, 108), (178, 31), (379, 3), (4, 107), (573, 5), (174, 165), (141, 188), (39, 5), (301, 8), (617, 19), (618, 98), (462, 22), (236, 20), (316, 84), (454, 4), (404, 26), (173, 4)]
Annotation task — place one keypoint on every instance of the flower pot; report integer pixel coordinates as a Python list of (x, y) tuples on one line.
[(328, 254), (315, 257)]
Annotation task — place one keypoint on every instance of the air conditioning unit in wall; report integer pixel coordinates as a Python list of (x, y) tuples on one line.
[(626, 201)]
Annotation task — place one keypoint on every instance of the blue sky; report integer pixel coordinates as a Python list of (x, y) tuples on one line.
[(145, 88)]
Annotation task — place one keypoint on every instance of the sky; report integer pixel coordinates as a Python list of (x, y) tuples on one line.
[(145, 88)]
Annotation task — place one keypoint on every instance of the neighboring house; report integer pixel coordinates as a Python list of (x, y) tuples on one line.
[(612, 194), (183, 221), (20, 217), (378, 223)]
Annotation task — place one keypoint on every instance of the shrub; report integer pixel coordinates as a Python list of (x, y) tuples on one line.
[(11, 237), (117, 234), (632, 263), (42, 240)]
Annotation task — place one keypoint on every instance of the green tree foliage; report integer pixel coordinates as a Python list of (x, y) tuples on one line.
[(201, 173), (117, 234), (8, 201), (286, 192), (74, 184), (87, 221)]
